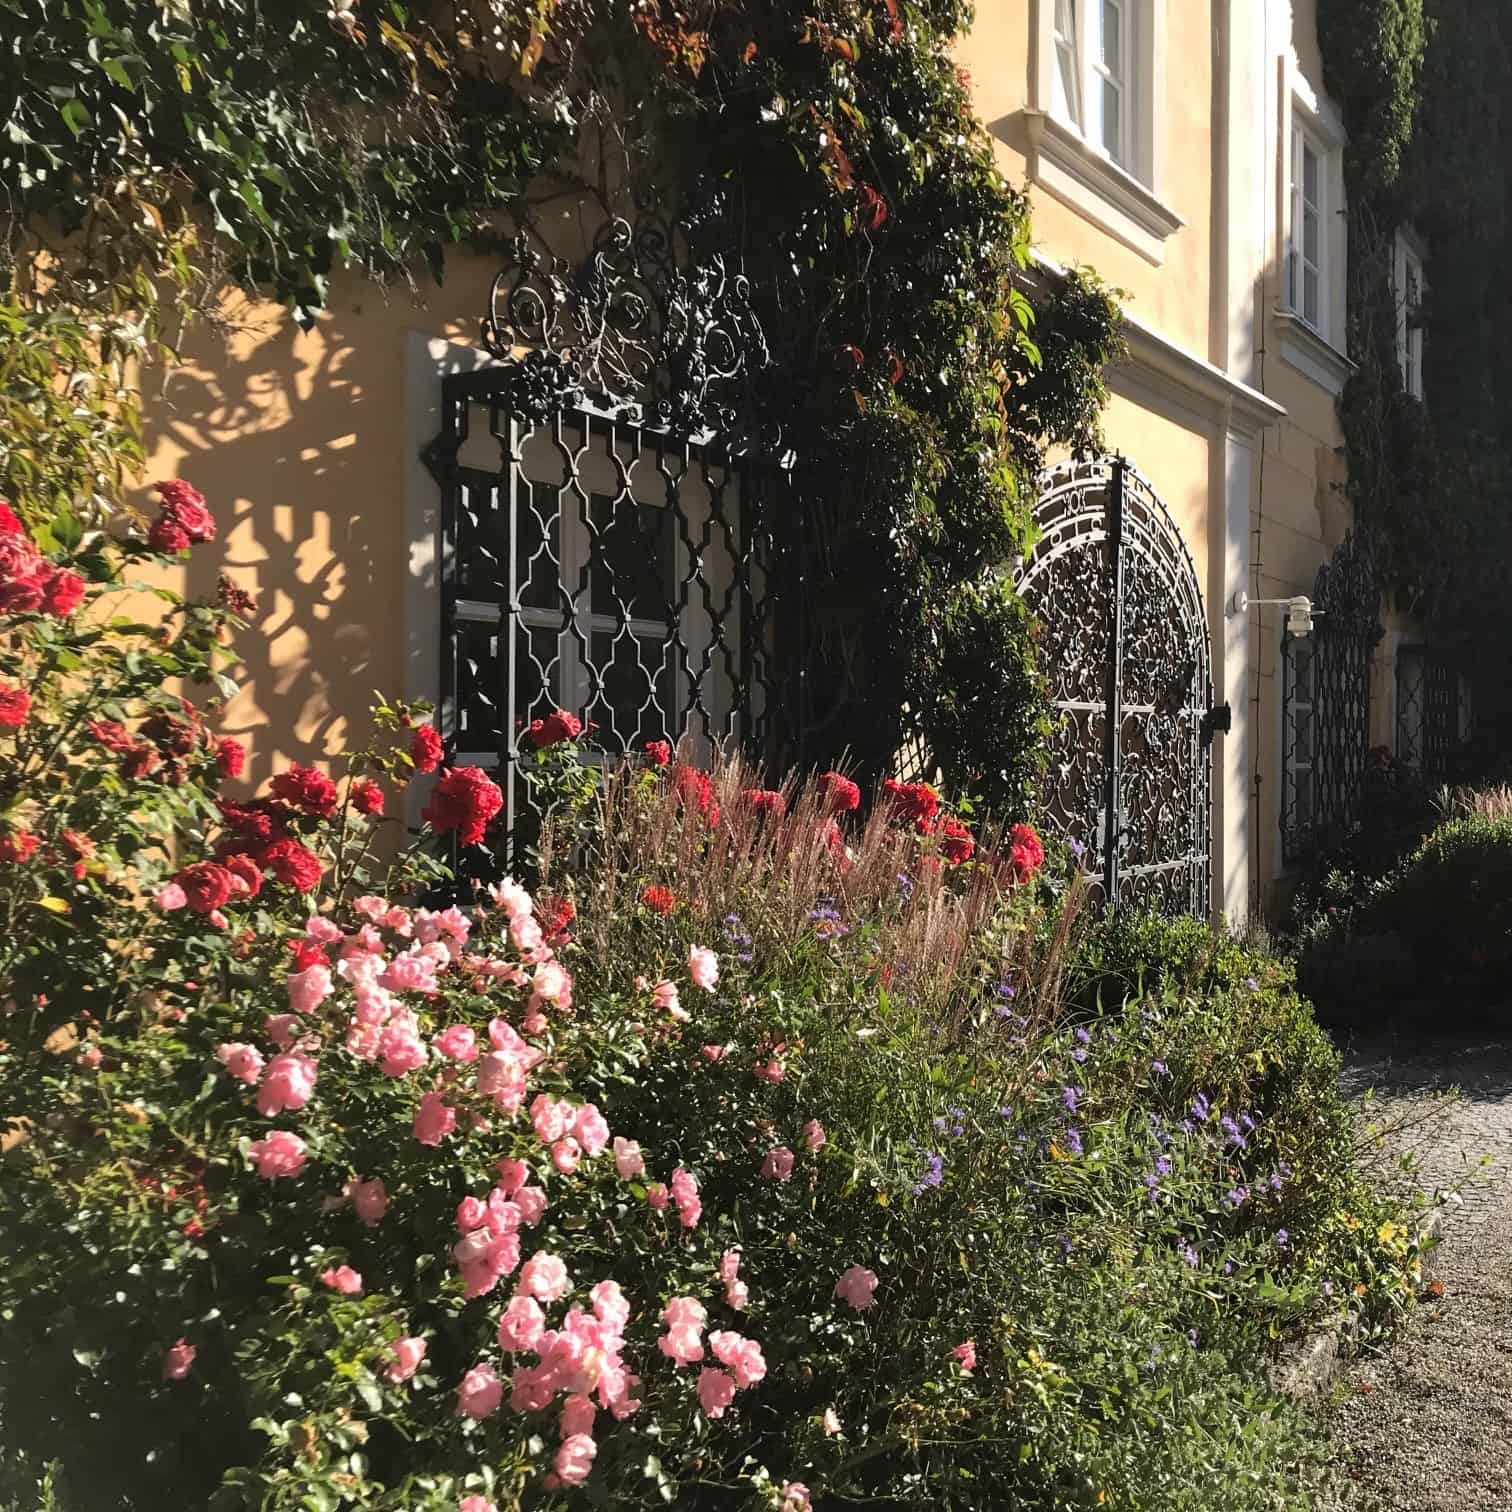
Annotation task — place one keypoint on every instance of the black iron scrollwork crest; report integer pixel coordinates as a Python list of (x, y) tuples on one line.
[(637, 328)]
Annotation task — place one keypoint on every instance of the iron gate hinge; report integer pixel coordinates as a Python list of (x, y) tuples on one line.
[(1219, 720)]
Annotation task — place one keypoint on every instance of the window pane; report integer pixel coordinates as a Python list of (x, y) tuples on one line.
[(1309, 174), (1310, 236), (477, 525), (1310, 295), (1112, 120), (1291, 279), (631, 569), (1066, 94), (1112, 38), (636, 701)]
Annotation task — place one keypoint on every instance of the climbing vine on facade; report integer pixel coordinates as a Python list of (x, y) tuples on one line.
[(827, 153)]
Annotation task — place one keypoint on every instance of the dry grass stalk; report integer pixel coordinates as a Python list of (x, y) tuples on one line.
[(1474, 803)]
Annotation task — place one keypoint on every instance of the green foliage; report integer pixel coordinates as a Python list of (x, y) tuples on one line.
[(1373, 58)]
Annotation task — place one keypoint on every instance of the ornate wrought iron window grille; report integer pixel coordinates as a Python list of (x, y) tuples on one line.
[(1434, 715), (1125, 644), (1325, 704)]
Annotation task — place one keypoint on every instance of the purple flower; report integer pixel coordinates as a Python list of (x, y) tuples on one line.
[(1065, 1244), (1074, 1141), (1230, 1128), (1188, 1253), (1069, 1096), (1159, 1068), (1282, 1238), (1252, 984), (1201, 1108), (1082, 1037), (934, 1174), (1163, 1165), (1077, 848), (1237, 1196), (1078, 1056)]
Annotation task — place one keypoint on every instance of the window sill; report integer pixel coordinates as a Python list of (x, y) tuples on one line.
[(1062, 163), (1311, 354)]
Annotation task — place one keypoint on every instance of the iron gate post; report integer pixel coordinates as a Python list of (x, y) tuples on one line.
[(1113, 693)]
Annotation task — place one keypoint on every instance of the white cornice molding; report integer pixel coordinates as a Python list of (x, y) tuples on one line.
[(1310, 354)]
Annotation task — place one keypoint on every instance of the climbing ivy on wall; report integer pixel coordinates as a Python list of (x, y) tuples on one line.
[(1423, 85), (828, 151)]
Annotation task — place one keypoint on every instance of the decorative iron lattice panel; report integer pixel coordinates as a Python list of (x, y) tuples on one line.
[(1434, 717), (1125, 644), (592, 565), (1325, 703)]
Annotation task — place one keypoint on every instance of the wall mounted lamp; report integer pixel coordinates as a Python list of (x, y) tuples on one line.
[(1299, 611)]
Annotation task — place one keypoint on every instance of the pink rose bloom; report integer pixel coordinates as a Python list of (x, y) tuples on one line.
[(244, 1062), (501, 1075), (966, 1354), (526, 934), (656, 1195), (737, 1294), (342, 1279), (458, 1043), (434, 1120), (476, 1504), (413, 971), (628, 1161), (395, 918), (610, 1306), (830, 1422), (716, 1390), (544, 1276), (664, 995), (742, 1355), (509, 896), (513, 1174), (287, 1083), (682, 1345), (575, 1459), (170, 897), (713, 1052), (551, 982), (485, 1259), (550, 1118), (522, 1324), (856, 1287), (813, 1133), (531, 1200), (369, 1199), (703, 967), (370, 907), (565, 1155), (532, 1388), (591, 1129), (729, 1265), (471, 1214), (778, 1165), (309, 988), (402, 1049), (479, 1392), (795, 1498), (578, 1413), (281, 1028), (280, 1154), (772, 1071), (178, 1360), (408, 1354), (684, 1186), (319, 930)]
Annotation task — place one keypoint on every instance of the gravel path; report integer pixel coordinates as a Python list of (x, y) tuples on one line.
[(1428, 1428)]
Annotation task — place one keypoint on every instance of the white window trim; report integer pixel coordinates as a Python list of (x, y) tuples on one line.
[(1306, 143), (1124, 201), (1409, 256), (1314, 350)]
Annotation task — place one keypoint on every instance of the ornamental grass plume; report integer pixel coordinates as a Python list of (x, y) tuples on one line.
[(782, 867)]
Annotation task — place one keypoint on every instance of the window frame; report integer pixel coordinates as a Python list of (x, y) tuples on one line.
[(1306, 140), (1092, 75), (1409, 263)]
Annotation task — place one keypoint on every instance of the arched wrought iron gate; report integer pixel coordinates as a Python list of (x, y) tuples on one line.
[(1125, 645)]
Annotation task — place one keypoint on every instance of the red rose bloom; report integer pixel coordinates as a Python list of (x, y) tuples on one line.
[(658, 899), (1025, 852), (183, 519), (111, 734), (955, 840), (206, 885), (367, 797), (254, 824), (841, 795), (19, 846), (557, 726), (693, 788), (464, 801), (62, 592), (230, 756), (308, 954), (555, 915), (23, 572), (305, 788), (246, 872), (660, 752), (15, 705), (765, 801), (426, 749), (10, 524), (140, 759), (292, 864), (915, 801)]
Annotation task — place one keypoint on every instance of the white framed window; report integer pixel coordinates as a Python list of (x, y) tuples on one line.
[(1307, 262), (1098, 86), (1408, 289)]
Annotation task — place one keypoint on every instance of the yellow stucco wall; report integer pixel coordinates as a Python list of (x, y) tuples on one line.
[(299, 443)]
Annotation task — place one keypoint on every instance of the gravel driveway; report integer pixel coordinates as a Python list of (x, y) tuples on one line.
[(1428, 1428)]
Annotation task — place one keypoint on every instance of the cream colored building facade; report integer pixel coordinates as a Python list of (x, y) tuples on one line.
[(1159, 140)]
